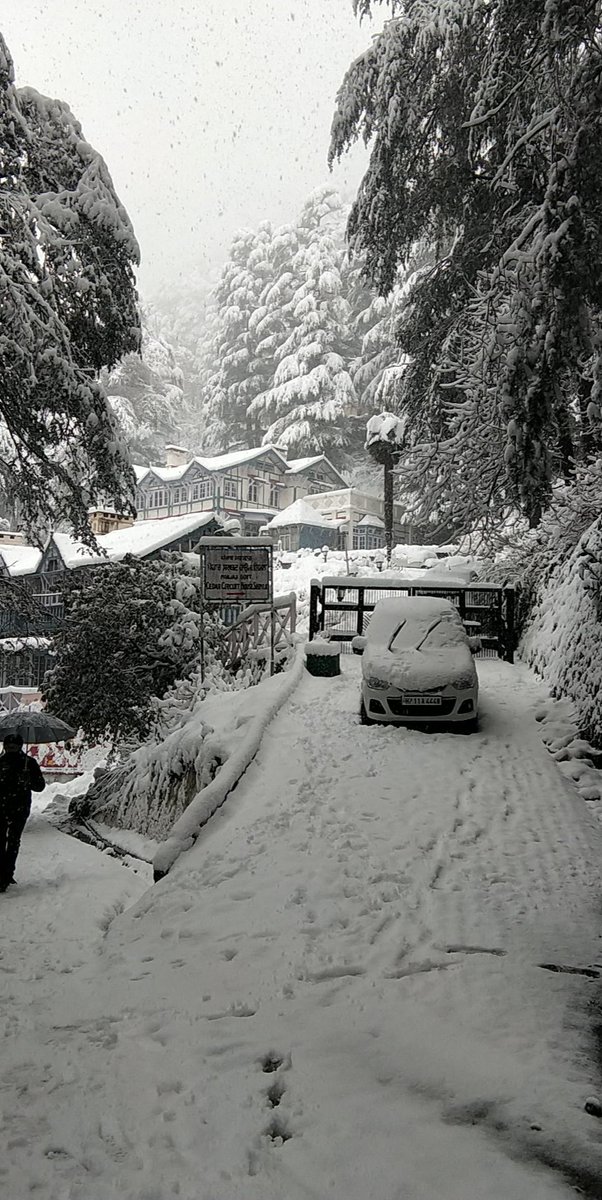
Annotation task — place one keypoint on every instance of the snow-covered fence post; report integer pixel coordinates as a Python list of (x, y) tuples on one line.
[(360, 611), (509, 632), (314, 595)]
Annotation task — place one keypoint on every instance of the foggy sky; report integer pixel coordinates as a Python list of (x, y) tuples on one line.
[(211, 114)]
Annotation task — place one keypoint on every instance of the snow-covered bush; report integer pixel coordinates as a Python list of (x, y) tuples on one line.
[(197, 727), (132, 630), (530, 557), (154, 785)]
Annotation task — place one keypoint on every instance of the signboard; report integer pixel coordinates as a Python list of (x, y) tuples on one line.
[(58, 759), (234, 570)]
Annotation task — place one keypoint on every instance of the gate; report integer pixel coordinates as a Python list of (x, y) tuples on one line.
[(342, 605)]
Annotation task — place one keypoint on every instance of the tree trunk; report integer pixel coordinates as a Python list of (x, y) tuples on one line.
[(388, 489)]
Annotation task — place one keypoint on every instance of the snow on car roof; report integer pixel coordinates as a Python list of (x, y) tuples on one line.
[(415, 643), (418, 611)]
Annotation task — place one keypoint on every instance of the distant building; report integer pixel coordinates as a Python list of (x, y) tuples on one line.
[(251, 485), (302, 526), (355, 520), (25, 642)]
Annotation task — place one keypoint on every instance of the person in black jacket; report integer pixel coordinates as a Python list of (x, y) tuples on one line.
[(19, 776)]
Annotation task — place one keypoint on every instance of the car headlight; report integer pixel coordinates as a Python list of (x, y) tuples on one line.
[(377, 685)]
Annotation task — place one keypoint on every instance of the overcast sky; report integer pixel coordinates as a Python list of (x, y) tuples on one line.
[(211, 114)]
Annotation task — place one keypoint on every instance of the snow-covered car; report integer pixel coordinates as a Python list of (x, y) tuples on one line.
[(417, 664)]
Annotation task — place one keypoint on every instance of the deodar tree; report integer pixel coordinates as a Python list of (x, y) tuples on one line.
[(67, 309), (311, 399), (485, 124)]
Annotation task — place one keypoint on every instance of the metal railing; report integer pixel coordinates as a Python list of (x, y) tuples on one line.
[(342, 605)]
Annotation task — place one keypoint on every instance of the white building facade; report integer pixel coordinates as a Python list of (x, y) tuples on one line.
[(250, 485)]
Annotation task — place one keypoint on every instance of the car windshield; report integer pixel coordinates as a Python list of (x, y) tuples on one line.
[(436, 634)]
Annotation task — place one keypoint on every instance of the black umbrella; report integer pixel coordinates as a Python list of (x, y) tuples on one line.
[(34, 726)]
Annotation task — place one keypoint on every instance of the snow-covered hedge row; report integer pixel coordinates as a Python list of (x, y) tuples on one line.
[(190, 741), (259, 705), (562, 641), (198, 730), (152, 788)]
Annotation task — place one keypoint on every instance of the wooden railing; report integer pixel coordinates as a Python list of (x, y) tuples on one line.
[(261, 634)]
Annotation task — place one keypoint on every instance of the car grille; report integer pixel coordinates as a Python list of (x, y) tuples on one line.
[(399, 709)]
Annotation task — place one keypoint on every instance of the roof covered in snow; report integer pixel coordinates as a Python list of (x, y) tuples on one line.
[(142, 538), (296, 466), (20, 560), (218, 462), (303, 464), (373, 521), (301, 513)]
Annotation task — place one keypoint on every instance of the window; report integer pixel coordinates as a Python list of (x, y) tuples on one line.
[(368, 537), (274, 496), (201, 490), (253, 491), (157, 499), (230, 489), (24, 668), (179, 495), (50, 599)]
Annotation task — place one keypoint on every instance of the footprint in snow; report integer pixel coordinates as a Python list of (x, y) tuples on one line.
[(495, 950), (278, 1131)]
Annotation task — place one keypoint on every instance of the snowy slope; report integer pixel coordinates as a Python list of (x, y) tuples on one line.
[(562, 640), (337, 993)]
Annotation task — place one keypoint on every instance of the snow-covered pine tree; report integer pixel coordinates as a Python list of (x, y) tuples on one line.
[(485, 120), (239, 374), (273, 319), (68, 308), (182, 314), (309, 403), (146, 394)]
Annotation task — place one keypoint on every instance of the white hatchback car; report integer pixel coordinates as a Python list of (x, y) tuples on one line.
[(418, 664)]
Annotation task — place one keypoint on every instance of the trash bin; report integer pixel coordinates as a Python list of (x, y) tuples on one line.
[(323, 657)]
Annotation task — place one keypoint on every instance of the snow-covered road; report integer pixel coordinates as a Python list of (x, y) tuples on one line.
[(340, 992)]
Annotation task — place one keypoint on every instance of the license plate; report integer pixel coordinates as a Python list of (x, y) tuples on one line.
[(421, 699)]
